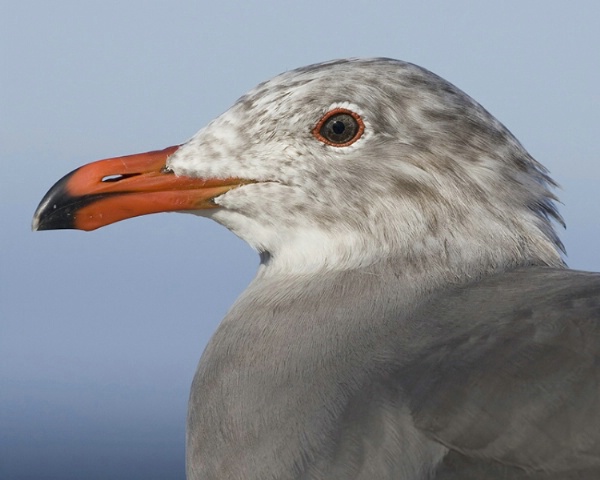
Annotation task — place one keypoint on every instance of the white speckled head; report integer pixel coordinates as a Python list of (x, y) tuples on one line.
[(435, 181)]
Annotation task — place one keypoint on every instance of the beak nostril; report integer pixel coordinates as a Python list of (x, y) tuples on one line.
[(167, 170), (112, 178), (117, 177)]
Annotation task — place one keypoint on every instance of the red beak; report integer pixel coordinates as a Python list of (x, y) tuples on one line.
[(107, 191)]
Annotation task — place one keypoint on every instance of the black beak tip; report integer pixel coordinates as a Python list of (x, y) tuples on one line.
[(50, 217), (57, 209)]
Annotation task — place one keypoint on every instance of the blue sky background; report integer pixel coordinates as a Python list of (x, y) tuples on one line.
[(100, 332)]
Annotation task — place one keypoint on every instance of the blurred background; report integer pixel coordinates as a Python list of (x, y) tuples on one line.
[(100, 332)]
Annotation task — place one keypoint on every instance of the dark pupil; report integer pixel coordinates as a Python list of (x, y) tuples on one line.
[(340, 128)]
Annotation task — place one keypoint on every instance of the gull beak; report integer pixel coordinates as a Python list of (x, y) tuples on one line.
[(107, 191)]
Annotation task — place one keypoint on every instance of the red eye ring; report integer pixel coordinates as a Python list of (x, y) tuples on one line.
[(339, 127)]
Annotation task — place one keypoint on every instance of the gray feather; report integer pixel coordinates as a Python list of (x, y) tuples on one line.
[(509, 370)]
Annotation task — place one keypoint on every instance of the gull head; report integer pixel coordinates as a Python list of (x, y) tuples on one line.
[(356, 160), (341, 165)]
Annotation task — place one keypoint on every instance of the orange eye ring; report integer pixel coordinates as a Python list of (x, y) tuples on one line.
[(339, 127)]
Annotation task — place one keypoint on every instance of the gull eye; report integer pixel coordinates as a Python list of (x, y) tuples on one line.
[(339, 128)]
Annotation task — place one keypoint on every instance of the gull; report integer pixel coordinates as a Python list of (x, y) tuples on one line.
[(412, 317)]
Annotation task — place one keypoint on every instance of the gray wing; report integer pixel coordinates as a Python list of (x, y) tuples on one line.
[(511, 382)]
